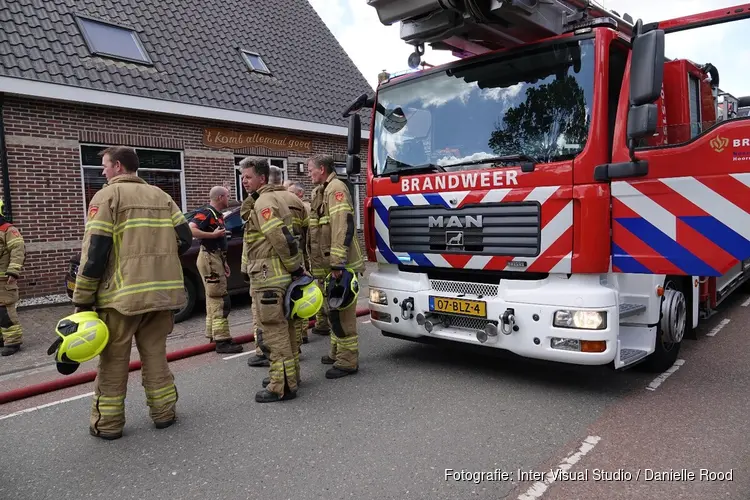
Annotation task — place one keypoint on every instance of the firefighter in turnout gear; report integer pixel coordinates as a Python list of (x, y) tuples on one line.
[(208, 225), (273, 259), (334, 248), (130, 272), (12, 256), (299, 192)]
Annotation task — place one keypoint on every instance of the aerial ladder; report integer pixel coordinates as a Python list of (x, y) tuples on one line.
[(473, 27)]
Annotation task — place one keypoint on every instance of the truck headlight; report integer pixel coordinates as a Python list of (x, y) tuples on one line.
[(582, 320), (378, 297)]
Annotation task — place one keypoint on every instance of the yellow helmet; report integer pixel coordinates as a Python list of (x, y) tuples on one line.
[(82, 336), (303, 298), (2, 207)]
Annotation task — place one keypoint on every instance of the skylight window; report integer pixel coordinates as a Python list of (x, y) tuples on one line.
[(110, 40), (255, 62)]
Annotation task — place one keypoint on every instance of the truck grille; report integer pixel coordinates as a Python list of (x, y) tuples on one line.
[(511, 229), (462, 288)]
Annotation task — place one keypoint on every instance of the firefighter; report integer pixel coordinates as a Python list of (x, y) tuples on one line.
[(12, 256), (130, 272), (207, 225), (273, 259), (297, 190), (334, 248)]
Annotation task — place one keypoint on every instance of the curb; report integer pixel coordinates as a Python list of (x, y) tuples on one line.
[(82, 378)]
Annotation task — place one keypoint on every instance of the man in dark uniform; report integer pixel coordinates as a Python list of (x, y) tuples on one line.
[(208, 225)]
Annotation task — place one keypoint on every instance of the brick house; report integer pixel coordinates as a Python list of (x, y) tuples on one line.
[(193, 86)]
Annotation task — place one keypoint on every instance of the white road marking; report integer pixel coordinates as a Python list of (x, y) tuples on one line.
[(746, 303), (661, 378), (366, 322), (537, 489), (717, 328), (246, 353), (28, 410)]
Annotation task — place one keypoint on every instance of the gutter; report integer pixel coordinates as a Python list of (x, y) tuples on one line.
[(7, 208)]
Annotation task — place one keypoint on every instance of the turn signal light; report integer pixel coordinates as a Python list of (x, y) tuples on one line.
[(593, 346)]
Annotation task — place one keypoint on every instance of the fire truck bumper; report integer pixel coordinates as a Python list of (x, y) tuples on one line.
[(566, 319)]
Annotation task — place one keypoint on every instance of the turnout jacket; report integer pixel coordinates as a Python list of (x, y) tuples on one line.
[(270, 252), (131, 246), (12, 250), (333, 234)]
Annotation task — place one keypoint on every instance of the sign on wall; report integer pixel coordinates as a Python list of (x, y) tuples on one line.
[(221, 138)]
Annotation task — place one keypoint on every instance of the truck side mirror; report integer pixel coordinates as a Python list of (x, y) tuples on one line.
[(353, 164), (647, 68), (646, 80), (355, 134)]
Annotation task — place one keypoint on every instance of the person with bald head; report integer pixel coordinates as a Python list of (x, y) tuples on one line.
[(207, 225)]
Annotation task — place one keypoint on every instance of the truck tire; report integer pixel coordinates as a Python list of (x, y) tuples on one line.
[(673, 322), (187, 311)]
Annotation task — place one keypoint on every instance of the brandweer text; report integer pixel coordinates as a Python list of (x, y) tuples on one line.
[(475, 180)]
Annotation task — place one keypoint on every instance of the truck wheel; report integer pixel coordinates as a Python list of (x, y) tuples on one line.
[(187, 311), (673, 323)]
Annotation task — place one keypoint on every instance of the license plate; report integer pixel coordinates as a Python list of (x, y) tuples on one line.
[(458, 306)]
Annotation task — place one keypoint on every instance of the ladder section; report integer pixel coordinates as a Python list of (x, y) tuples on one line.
[(470, 27)]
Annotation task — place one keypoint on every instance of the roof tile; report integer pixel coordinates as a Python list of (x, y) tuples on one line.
[(194, 48)]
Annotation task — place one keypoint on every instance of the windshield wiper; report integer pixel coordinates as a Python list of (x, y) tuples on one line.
[(425, 167), (527, 162)]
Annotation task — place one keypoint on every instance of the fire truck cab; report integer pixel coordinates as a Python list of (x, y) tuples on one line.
[(562, 191)]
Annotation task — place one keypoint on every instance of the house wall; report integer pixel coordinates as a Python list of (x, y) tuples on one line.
[(43, 141)]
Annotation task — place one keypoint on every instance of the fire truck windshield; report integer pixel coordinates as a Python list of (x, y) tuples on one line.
[(531, 104)]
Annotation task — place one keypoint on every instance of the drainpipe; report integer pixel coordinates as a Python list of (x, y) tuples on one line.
[(7, 211)]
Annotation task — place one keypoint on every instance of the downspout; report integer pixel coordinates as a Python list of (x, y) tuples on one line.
[(7, 209)]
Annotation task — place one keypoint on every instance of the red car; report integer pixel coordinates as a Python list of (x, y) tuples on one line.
[(193, 287)]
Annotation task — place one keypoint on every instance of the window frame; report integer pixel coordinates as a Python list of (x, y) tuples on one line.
[(91, 45), (265, 71), (237, 174), (183, 188)]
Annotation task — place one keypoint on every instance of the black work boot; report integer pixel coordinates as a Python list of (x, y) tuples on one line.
[(165, 424), (9, 350), (258, 361), (327, 360), (305, 340), (227, 347), (102, 435), (340, 372), (321, 331), (266, 396)]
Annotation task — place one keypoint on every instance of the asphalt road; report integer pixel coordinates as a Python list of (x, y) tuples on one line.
[(392, 430)]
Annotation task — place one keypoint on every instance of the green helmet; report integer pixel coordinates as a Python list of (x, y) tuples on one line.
[(343, 292), (82, 336), (303, 298)]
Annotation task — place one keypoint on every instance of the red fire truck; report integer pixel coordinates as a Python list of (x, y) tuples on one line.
[(562, 191)]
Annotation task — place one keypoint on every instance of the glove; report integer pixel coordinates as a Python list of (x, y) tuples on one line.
[(299, 272)]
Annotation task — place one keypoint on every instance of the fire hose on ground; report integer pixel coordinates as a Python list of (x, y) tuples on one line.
[(82, 378)]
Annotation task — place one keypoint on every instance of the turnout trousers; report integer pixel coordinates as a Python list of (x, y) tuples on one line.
[(150, 331)]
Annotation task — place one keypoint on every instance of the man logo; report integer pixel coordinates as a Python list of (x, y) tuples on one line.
[(719, 143), (469, 221)]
